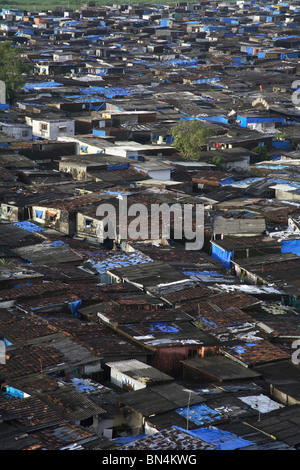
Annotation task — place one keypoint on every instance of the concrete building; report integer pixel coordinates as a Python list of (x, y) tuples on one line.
[(52, 129)]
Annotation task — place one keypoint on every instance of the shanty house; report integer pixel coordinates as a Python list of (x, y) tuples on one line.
[(61, 214), (238, 223), (52, 129), (135, 375)]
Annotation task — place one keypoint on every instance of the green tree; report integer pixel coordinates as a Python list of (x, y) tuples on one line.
[(12, 66), (281, 135), (262, 153), (219, 162), (189, 137)]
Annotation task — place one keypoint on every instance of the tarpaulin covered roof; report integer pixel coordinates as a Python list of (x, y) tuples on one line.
[(199, 414), (118, 260), (50, 84), (109, 92), (29, 227), (223, 440)]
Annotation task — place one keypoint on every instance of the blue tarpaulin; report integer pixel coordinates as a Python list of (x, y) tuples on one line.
[(85, 385), (223, 440), (99, 132), (14, 392), (226, 181), (50, 84), (290, 246), (29, 227), (214, 325), (74, 307), (182, 62), (274, 167), (58, 243), (118, 167), (118, 260), (6, 342), (39, 214), (245, 120), (203, 273), (109, 92), (238, 349), (165, 328), (97, 108), (199, 414), (281, 144), (200, 81), (221, 255)]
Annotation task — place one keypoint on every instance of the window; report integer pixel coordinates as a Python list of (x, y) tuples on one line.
[(88, 223), (38, 214), (9, 210)]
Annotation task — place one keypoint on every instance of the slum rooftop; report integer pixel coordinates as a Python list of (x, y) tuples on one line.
[(133, 341)]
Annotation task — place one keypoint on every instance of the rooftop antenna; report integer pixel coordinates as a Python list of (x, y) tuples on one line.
[(188, 409)]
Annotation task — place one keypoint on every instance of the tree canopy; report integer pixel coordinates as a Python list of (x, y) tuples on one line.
[(12, 66), (262, 153), (219, 162), (189, 137)]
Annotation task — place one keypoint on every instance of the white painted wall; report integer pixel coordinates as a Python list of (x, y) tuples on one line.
[(164, 175), (19, 132), (123, 380), (53, 129)]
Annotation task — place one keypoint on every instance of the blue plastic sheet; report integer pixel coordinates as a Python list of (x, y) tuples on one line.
[(202, 273), (14, 392), (238, 349), (6, 342), (281, 144), (244, 121), (74, 307), (118, 167), (50, 84), (164, 328), (38, 214), (221, 255), (118, 260), (223, 440), (291, 246), (29, 227), (199, 414), (108, 92), (226, 181), (97, 108), (212, 324), (182, 62), (85, 385), (58, 243)]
